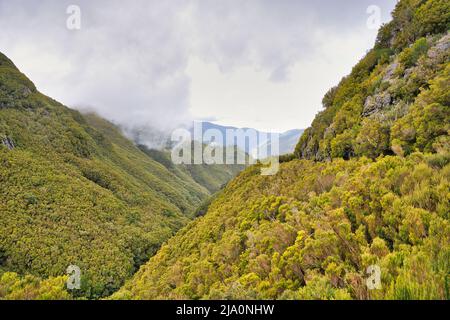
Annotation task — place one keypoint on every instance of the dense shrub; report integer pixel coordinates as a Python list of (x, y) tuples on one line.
[(74, 190), (310, 232)]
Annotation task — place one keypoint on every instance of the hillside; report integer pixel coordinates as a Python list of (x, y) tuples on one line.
[(211, 176), (160, 140), (368, 184), (75, 191), (395, 100), (309, 233)]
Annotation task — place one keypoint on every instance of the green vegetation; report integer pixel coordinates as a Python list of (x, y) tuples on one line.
[(74, 190), (404, 77), (13, 287), (368, 184), (411, 55), (310, 232), (211, 176), (377, 191)]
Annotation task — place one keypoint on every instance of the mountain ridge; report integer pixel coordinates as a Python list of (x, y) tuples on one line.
[(366, 188), (75, 191), (287, 140)]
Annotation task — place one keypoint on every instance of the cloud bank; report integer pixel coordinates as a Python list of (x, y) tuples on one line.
[(258, 63)]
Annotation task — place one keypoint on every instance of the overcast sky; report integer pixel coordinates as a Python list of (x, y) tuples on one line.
[(256, 63)]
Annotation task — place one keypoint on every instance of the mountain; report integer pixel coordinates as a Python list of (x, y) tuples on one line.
[(248, 140), (211, 176), (75, 191), (395, 99), (287, 140), (366, 189)]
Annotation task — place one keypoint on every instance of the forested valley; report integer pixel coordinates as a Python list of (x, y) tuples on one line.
[(368, 184)]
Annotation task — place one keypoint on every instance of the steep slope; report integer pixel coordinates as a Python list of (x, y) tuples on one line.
[(396, 98), (381, 198), (75, 191), (310, 232), (211, 176)]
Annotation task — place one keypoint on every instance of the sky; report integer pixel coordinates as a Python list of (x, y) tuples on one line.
[(263, 64)]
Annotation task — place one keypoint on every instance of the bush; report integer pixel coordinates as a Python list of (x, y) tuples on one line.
[(410, 55)]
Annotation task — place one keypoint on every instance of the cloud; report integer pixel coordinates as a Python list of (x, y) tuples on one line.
[(143, 63), (126, 62), (273, 35)]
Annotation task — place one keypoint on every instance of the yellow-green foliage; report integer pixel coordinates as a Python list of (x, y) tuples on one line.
[(410, 55), (74, 190), (427, 125), (405, 75), (310, 232), (13, 287)]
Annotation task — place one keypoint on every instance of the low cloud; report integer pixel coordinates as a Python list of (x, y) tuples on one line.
[(130, 61)]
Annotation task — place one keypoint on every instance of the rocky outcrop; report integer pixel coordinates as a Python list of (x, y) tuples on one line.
[(376, 103), (8, 142), (26, 92), (441, 46), (390, 70)]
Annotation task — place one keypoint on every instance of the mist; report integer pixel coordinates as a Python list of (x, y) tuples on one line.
[(162, 64)]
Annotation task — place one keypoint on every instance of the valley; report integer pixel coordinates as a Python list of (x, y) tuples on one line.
[(365, 187), (75, 191)]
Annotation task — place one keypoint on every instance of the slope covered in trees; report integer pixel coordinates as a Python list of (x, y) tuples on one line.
[(75, 191), (211, 176), (368, 184), (310, 232), (396, 98)]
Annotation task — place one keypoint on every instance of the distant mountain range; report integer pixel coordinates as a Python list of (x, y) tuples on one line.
[(359, 211), (73, 184), (158, 140), (287, 140)]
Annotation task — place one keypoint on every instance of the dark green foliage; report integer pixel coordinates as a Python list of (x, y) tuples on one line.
[(286, 157), (410, 55)]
